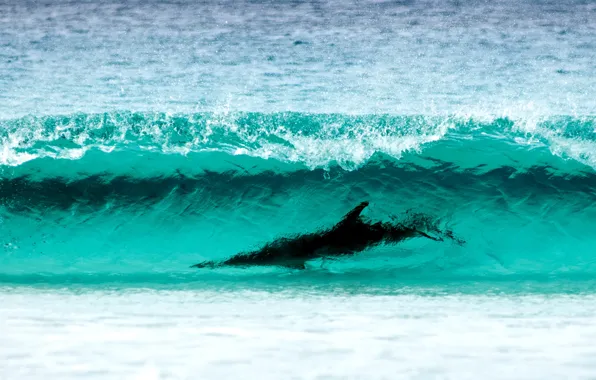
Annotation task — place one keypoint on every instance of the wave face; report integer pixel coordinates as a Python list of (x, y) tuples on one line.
[(149, 194)]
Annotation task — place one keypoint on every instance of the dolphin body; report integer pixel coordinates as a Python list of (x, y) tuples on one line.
[(351, 235)]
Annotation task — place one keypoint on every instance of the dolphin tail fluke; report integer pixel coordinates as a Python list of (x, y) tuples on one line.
[(428, 236), (457, 240), (447, 234)]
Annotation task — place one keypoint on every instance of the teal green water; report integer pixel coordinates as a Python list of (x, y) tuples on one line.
[(139, 137), (149, 194)]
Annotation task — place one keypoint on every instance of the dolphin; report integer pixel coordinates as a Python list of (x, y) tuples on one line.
[(351, 235)]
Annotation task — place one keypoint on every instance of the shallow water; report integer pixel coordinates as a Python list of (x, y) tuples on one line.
[(148, 334)]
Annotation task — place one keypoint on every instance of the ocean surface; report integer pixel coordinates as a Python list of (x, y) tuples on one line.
[(138, 138)]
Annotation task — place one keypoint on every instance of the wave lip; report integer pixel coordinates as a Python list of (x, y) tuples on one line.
[(310, 140), (314, 140)]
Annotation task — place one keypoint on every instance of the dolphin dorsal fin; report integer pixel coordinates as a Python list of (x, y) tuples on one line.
[(353, 215)]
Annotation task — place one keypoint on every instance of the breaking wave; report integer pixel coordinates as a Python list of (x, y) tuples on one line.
[(128, 193)]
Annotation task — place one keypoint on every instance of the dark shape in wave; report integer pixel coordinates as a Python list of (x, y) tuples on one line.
[(351, 235), (24, 193)]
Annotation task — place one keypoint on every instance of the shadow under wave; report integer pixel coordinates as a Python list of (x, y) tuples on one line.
[(21, 194)]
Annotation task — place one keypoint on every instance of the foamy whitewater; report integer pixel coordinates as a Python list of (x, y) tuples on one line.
[(140, 138)]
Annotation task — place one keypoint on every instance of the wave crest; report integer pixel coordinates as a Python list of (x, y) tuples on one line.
[(310, 140)]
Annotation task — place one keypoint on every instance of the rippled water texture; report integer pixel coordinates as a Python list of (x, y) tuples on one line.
[(324, 56)]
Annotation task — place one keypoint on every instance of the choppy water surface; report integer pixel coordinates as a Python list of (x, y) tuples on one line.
[(66, 56)]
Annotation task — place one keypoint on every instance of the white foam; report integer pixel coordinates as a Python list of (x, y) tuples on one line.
[(349, 143), (267, 335)]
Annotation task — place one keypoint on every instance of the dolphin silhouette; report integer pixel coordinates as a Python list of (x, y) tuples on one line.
[(351, 235)]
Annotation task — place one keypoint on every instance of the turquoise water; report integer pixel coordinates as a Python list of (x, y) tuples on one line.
[(140, 138), (149, 194)]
